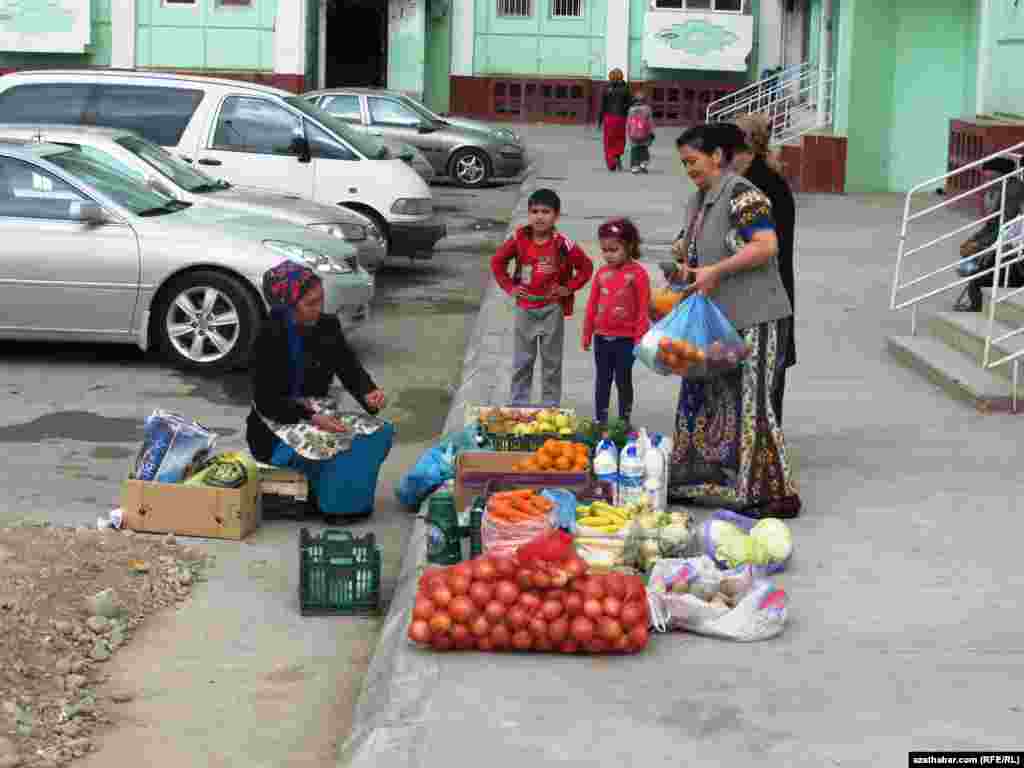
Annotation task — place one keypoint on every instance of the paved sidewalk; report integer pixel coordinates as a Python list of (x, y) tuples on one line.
[(905, 629)]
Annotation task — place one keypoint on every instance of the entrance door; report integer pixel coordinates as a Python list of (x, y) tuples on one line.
[(356, 43), (254, 145)]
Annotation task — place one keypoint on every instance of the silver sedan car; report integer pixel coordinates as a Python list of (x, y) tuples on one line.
[(469, 153), (155, 166), (92, 254)]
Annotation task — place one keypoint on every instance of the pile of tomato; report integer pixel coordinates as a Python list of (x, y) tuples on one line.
[(497, 603)]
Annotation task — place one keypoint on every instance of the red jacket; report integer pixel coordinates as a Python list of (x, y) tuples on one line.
[(618, 303), (540, 268)]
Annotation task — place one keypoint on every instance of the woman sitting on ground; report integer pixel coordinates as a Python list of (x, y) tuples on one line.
[(297, 355)]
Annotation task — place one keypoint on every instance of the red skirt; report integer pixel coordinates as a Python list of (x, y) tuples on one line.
[(614, 139)]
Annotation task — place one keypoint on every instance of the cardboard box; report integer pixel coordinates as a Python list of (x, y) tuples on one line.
[(278, 481), (186, 510), (474, 469)]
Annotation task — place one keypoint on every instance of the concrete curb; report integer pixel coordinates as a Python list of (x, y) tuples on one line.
[(389, 722)]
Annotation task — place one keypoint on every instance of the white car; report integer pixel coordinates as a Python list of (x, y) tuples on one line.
[(92, 254), (164, 172), (252, 135)]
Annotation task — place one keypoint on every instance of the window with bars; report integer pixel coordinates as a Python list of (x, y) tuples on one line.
[(515, 8), (567, 9), (725, 6)]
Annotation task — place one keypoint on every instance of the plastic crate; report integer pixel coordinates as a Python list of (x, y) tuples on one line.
[(339, 574), (523, 442)]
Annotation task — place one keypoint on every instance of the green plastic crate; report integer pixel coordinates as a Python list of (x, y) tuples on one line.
[(339, 574)]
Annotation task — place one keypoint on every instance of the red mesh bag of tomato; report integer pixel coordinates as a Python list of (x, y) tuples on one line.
[(506, 603)]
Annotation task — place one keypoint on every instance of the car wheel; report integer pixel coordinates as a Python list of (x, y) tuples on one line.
[(207, 321), (469, 168)]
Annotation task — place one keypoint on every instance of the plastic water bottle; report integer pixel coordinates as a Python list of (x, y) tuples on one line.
[(606, 465), (655, 481), (631, 474)]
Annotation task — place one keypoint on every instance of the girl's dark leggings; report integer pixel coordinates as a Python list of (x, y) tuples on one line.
[(614, 359)]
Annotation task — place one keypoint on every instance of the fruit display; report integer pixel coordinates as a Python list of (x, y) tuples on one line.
[(601, 517), (664, 301), (508, 604), (528, 421), (557, 456), (518, 506), (688, 359)]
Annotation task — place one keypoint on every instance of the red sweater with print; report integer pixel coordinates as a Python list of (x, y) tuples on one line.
[(542, 268), (618, 303)]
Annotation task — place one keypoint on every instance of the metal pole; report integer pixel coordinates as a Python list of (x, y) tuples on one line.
[(321, 39), (824, 56)]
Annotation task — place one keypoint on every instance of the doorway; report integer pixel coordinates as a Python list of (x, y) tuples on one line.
[(356, 42)]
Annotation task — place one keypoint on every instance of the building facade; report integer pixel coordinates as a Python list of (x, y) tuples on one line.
[(920, 85)]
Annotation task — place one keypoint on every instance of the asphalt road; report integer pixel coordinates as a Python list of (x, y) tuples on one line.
[(71, 414)]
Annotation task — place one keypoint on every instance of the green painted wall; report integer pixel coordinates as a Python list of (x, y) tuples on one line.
[(1004, 89), (206, 35), (895, 100), (407, 40), (638, 71), (540, 45), (437, 89), (97, 53)]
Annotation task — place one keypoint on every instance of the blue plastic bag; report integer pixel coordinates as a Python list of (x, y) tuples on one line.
[(436, 465), (695, 340)]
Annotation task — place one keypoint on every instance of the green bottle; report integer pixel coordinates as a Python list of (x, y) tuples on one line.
[(444, 543)]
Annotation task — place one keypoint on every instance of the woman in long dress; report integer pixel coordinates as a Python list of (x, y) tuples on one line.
[(612, 118), (730, 449)]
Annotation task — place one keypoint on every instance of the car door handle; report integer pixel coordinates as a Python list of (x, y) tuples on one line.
[(208, 161)]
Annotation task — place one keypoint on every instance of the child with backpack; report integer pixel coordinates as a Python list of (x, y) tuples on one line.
[(549, 269), (640, 132), (617, 315)]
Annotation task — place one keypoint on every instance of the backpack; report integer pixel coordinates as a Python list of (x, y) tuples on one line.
[(638, 125)]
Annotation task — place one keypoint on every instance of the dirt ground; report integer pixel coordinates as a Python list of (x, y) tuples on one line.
[(56, 635)]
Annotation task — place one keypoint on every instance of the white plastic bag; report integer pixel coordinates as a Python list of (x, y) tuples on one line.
[(759, 613)]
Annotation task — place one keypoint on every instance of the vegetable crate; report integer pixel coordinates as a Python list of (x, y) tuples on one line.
[(339, 574)]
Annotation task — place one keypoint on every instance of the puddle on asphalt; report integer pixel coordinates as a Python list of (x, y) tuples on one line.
[(82, 426), (420, 413), (226, 389), (111, 452), (406, 306)]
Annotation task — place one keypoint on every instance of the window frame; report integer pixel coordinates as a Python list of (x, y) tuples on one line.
[(363, 114), (499, 14), (562, 17), (35, 168), (656, 6), (211, 143), (392, 100)]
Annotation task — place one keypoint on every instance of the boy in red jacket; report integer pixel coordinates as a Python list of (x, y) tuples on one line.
[(617, 316), (549, 269)]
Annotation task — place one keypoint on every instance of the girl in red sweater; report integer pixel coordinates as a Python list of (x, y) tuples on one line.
[(616, 316)]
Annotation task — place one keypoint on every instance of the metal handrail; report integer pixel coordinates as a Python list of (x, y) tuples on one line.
[(1006, 254), (795, 100)]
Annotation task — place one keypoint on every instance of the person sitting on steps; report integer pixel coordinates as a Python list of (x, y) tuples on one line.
[(985, 237)]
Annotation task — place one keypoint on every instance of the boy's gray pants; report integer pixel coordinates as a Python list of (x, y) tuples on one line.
[(543, 328)]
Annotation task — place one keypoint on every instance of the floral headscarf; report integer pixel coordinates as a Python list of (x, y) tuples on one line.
[(283, 287)]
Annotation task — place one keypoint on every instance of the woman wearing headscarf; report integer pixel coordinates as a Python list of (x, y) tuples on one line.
[(297, 355), (758, 165), (729, 447), (612, 118)]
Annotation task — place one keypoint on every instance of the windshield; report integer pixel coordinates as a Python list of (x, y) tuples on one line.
[(107, 179), (366, 145), (421, 109), (178, 171)]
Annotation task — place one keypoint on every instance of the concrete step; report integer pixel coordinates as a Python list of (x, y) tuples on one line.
[(1010, 312), (966, 332), (954, 372)]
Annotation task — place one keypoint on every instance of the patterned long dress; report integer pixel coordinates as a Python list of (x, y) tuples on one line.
[(729, 448)]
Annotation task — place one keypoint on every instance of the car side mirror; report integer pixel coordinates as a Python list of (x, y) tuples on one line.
[(300, 148), (88, 213)]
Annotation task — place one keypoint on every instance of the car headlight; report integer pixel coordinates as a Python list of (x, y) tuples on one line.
[(413, 206), (353, 233), (321, 262)]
